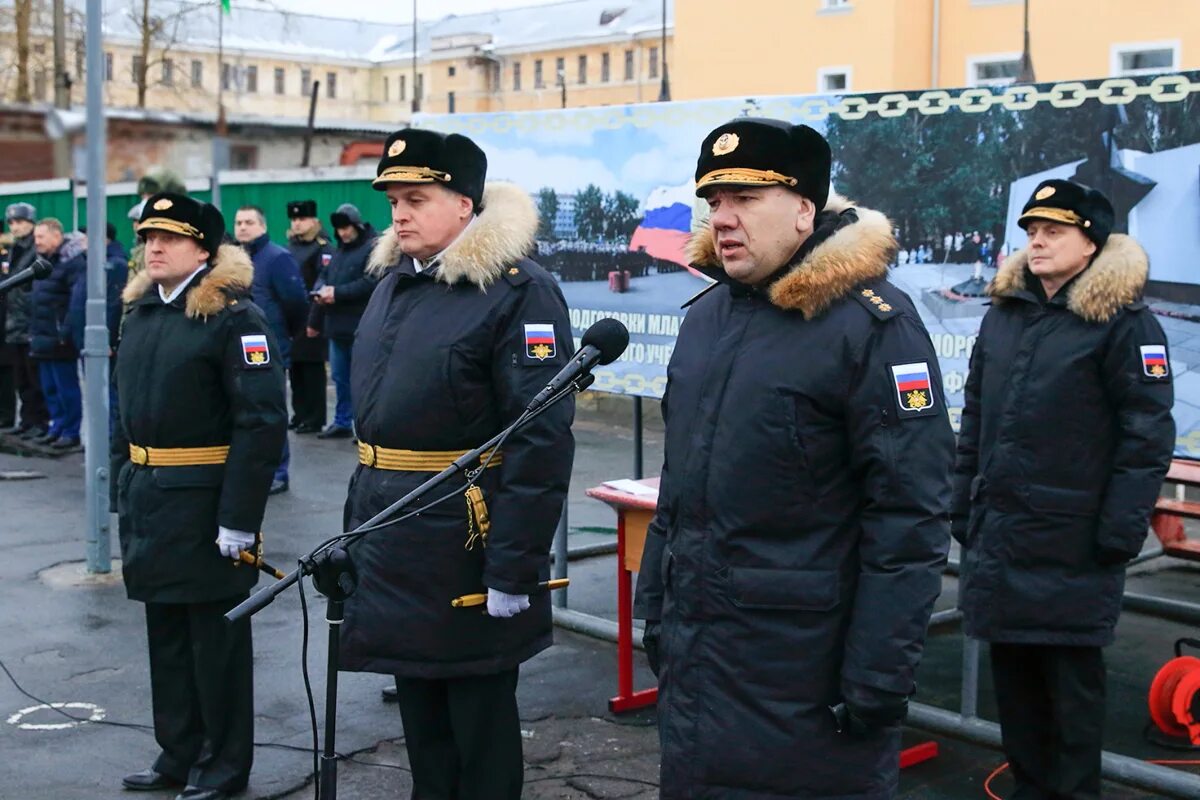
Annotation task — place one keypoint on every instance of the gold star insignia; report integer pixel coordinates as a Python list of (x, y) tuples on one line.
[(867, 293), (885, 307), (514, 271)]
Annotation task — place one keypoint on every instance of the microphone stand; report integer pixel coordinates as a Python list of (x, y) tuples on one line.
[(335, 575)]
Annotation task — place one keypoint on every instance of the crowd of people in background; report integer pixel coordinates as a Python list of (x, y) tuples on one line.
[(970, 247), (312, 288)]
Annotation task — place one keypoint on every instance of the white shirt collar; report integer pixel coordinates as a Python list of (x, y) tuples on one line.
[(178, 290), (419, 265)]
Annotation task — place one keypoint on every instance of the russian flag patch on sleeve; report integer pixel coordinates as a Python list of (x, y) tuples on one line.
[(539, 340), (914, 392), (1155, 366), (255, 351)]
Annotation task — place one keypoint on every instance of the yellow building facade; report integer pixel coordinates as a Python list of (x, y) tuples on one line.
[(809, 46)]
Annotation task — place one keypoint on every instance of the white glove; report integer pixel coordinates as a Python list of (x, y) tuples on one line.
[(229, 542), (506, 605)]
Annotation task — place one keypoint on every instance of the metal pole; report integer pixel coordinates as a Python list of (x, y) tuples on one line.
[(95, 334), (561, 556), (334, 615), (220, 146), (308, 132), (62, 90), (638, 450), (664, 92), (970, 678), (1027, 75), (416, 100)]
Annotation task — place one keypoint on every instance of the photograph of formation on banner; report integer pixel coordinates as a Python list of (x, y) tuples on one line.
[(952, 169)]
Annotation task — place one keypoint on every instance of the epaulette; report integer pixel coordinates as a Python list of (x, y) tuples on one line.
[(321, 240), (516, 276), (875, 302), (701, 293)]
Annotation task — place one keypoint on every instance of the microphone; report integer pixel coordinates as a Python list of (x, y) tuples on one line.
[(603, 343), (41, 268)]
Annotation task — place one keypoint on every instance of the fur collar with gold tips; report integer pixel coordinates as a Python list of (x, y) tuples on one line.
[(231, 275), (857, 253), (502, 234), (1116, 278)]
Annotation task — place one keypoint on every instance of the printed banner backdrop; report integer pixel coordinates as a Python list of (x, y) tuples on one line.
[(951, 169)]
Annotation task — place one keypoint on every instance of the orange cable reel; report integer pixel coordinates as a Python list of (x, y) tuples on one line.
[(1174, 697)]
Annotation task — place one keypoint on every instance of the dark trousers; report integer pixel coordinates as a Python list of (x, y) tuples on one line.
[(8, 392), (308, 393), (34, 413), (463, 737), (202, 688), (1051, 706)]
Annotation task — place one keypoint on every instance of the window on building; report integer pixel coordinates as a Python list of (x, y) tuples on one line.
[(243, 156), (168, 72), (583, 69), (39, 84), (280, 80), (136, 65), (306, 82), (605, 64), (331, 85), (387, 89), (833, 79), (108, 66), (197, 73), (560, 71), (252, 79), (403, 88), (1145, 59), (450, 102), (226, 76), (994, 70), (451, 71), (628, 65), (653, 62), (419, 86), (517, 76), (538, 79), (80, 57), (494, 79), (39, 49)]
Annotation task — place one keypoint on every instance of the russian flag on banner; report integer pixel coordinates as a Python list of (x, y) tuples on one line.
[(667, 223), (912, 386), (1154, 360)]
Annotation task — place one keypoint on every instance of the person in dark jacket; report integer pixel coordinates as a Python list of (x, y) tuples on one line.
[(310, 246), (203, 415), (802, 524), (34, 416), (279, 291), (8, 380), (461, 334), (1066, 438), (50, 342), (116, 272), (343, 289)]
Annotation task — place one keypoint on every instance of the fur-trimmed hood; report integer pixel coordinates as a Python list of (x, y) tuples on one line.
[(854, 254), (1115, 278), (502, 234), (231, 276)]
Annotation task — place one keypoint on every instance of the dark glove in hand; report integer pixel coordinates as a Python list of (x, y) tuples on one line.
[(870, 709), (650, 643), (1111, 556)]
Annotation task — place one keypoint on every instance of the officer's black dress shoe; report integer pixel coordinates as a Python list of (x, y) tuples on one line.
[(19, 429), (149, 780), (201, 793), (278, 487), (307, 427), (64, 443), (335, 432), (32, 432), (46, 438)]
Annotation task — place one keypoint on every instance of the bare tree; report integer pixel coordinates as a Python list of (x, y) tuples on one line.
[(159, 33), (21, 14)]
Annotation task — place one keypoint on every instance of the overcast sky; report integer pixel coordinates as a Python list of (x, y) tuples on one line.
[(390, 10)]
